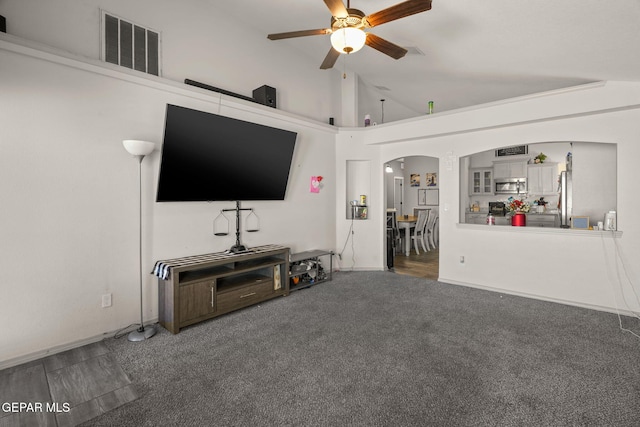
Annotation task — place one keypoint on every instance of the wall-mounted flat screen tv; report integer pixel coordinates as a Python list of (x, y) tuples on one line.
[(208, 157)]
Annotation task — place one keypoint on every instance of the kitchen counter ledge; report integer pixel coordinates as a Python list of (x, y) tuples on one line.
[(541, 230)]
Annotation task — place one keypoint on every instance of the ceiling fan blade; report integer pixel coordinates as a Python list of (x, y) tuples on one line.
[(401, 10), (337, 8), (302, 33), (384, 46), (330, 59)]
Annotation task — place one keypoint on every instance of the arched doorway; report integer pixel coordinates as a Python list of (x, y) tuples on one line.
[(411, 185)]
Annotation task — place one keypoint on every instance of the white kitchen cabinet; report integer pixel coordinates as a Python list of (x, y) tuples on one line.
[(475, 218), (543, 220), (505, 169), (481, 181), (481, 218), (542, 179)]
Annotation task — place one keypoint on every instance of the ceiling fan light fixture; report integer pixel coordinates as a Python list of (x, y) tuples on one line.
[(348, 39)]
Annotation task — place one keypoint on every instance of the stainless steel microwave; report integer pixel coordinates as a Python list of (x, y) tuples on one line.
[(510, 186)]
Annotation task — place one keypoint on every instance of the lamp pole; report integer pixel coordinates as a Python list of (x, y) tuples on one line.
[(140, 149)]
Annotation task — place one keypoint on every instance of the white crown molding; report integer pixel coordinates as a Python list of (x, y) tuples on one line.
[(11, 43)]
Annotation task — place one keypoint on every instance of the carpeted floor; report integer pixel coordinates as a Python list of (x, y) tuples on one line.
[(378, 348)]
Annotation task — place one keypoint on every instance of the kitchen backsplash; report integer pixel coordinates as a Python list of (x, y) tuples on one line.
[(483, 201)]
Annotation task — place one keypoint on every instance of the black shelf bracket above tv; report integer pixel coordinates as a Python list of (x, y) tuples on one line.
[(216, 89), (264, 95)]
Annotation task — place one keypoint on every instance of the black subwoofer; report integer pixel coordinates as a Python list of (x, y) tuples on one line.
[(265, 95)]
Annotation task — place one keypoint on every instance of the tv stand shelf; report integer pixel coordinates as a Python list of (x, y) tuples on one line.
[(197, 288), (313, 255)]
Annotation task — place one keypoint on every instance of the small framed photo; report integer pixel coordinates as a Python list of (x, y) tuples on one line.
[(580, 222), (432, 179), (414, 180)]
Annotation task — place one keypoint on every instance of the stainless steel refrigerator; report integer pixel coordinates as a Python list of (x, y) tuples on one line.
[(566, 194)]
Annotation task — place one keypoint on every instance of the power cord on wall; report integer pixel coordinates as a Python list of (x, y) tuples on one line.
[(617, 257), (350, 234)]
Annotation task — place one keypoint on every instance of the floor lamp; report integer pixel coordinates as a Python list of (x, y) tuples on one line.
[(140, 149)]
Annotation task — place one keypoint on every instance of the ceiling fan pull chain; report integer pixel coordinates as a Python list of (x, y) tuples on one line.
[(344, 68)]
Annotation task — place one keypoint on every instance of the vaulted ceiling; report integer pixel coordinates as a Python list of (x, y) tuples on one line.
[(469, 52)]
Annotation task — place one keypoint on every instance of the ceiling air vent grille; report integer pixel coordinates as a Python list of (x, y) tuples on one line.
[(130, 45)]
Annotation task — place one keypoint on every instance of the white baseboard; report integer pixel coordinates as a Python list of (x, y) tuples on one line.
[(63, 347), (539, 297)]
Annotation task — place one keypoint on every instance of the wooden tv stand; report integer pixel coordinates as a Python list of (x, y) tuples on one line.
[(196, 288)]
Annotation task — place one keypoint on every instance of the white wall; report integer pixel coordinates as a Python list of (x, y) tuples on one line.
[(354, 239), (369, 103), (594, 180), (559, 265), (412, 164), (419, 165), (398, 172), (69, 196), (198, 42)]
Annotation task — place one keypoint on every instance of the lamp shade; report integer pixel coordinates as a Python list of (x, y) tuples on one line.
[(348, 40), (137, 147)]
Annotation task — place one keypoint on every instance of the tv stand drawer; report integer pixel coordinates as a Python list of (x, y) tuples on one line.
[(245, 296)]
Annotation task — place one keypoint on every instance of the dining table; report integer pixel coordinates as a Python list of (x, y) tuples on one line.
[(406, 222)]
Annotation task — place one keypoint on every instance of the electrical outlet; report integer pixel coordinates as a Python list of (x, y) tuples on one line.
[(461, 259), (106, 300)]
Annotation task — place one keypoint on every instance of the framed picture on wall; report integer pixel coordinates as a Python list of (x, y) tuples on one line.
[(415, 180), (432, 179), (431, 197), (422, 197)]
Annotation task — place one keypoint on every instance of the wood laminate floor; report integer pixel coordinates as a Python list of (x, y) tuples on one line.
[(64, 389), (424, 265)]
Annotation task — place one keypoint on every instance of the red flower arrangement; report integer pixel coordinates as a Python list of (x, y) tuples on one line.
[(517, 205)]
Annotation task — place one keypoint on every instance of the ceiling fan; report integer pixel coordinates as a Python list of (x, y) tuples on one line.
[(348, 29)]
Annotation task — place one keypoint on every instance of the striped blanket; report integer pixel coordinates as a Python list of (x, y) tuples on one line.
[(163, 268)]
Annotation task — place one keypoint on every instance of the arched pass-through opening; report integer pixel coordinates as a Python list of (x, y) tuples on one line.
[(411, 186)]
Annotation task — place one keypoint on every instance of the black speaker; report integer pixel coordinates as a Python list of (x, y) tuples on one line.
[(3, 24), (265, 95)]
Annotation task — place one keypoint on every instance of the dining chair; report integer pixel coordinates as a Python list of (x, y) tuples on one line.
[(419, 230), (436, 231), (431, 230), (416, 210)]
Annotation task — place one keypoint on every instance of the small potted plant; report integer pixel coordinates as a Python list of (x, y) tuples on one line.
[(540, 158)]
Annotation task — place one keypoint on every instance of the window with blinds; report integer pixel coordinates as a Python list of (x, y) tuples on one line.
[(130, 45)]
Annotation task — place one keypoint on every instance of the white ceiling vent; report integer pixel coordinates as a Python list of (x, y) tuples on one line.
[(130, 45)]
